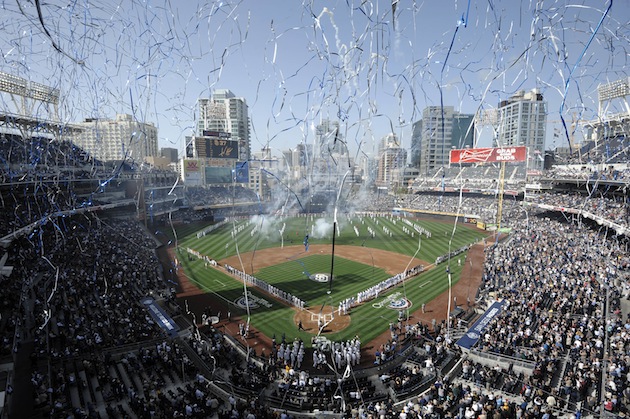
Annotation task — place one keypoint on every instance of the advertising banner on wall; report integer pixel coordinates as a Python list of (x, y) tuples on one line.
[(241, 172), (476, 331), (489, 155), (191, 172)]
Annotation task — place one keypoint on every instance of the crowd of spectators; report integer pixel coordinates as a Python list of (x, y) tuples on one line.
[(588, 172), (40, 159), (448, 203), (483, 206), (374, 202), (562, 284), (486, 177), (22, 207), (481, 177), (614, 209), (93, 348), (558, 283), (563, 302), (182, 216), (219, 195)]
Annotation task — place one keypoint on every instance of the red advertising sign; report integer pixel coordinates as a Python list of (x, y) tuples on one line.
[(192, 166), (489, 155)]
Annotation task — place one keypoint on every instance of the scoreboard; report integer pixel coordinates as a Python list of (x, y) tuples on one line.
[(216, 148), (222, 149)]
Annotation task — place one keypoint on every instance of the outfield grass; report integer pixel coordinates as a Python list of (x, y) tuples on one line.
[(221, 244), (370, 319), (181, 230)]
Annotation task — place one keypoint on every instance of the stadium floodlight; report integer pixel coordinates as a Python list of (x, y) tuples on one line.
[(613, 90), (43, 93), (22, 87), (13, 84)]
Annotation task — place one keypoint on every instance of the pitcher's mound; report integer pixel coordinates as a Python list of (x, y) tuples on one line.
[(313, 319)]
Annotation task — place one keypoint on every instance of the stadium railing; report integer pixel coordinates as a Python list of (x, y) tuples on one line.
[(504, 360)]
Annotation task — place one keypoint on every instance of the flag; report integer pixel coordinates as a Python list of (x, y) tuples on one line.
[(347, 372)]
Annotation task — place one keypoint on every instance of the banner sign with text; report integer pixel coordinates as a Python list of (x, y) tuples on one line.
[(475, 332), (160, 317), (489, 155)]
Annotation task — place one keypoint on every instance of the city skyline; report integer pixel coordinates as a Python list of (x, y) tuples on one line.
[(371, 66)]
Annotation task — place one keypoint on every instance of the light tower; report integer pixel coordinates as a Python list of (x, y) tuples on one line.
[(611, 124), (27, 99), (619, 89)]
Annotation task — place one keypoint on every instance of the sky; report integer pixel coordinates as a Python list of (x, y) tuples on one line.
[(371, 65)]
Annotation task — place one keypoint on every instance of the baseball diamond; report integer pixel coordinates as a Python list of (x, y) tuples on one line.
[(380, 275)]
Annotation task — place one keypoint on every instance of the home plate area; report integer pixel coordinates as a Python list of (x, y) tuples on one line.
[(325, 318)]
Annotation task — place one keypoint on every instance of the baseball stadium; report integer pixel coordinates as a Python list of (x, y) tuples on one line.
[(312, 209), (220, 308)]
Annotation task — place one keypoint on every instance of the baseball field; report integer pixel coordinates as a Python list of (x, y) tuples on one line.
[(294, 254)]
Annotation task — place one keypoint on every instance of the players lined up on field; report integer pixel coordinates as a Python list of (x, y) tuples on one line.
[(388, 232), (416, 227), (270, 289), (326, 354), (287, 353), (454, 253), (206, 259), (341, 354), (374, 291)]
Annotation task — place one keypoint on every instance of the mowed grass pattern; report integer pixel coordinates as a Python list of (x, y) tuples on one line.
[(368, 320), (221, 244), (349, 278)]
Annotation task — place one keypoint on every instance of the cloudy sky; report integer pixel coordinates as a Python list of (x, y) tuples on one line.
[(373, 65)]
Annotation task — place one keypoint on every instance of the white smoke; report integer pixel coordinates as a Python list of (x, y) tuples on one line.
[(267, 226), (322, 229)]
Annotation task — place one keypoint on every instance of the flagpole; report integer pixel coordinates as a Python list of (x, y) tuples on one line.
[(332, 260)]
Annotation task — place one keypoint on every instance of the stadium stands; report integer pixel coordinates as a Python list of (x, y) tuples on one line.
[(81, 342), (96, 366)]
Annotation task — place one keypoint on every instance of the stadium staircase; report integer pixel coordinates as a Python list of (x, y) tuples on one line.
[(560, 371)]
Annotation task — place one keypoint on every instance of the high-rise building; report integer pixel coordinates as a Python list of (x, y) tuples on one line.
[(522, 121), (416, 143), (287, 156), (328, 140), (263, 154), (169, 153), (121, 139), (368, 166), (388, 141), (440, 130), (301, 157), (328, 147), (224, 112), (392, 160)]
